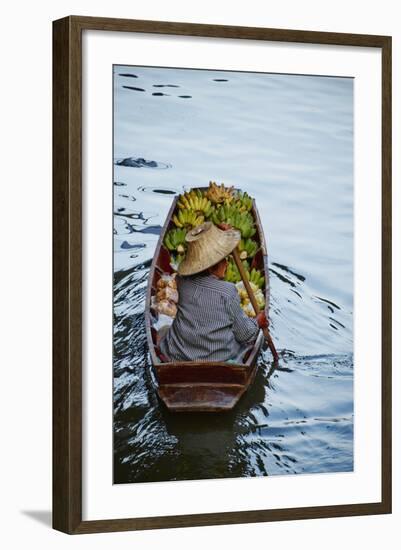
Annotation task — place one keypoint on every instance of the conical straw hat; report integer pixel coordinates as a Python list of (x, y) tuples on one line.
[(207, 245)]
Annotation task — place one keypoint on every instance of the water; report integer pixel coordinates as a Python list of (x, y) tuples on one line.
[(288, 141)]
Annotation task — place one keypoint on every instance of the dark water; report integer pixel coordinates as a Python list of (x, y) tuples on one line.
[(287, 140)]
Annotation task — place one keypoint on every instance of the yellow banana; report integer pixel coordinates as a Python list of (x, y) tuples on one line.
[(177, 221)]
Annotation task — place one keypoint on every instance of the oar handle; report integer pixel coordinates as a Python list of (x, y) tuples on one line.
[(252, 298)]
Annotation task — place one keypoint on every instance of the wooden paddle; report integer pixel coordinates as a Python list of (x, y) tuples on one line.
[(252, 298)]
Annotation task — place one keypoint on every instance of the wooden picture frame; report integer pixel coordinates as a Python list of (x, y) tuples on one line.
[(67, 273)]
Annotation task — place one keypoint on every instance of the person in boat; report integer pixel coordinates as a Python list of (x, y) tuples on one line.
[(210, 324)]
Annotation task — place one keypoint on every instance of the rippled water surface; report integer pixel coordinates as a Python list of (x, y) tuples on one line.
[(288, 141)]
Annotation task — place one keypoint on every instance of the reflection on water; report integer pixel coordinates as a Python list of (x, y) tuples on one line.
[(287, 140)]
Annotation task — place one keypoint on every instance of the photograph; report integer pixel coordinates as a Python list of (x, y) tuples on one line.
[(233, 215)]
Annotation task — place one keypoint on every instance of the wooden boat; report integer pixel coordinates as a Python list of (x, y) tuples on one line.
[(200, 386)]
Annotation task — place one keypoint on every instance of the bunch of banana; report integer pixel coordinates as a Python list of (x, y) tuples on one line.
[(246, 302), (187, 219), (232, 274), (193, 193), (256, 277), (219, 194), (247, 248), (239, 220), (247, 308), (243, 202), (227, 214), (246, 227), (175, 240), (194, 200), (175, 260)]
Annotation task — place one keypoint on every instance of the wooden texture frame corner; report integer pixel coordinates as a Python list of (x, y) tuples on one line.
[(67, 274)]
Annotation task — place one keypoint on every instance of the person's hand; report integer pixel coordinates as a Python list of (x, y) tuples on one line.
[(262, 320), (224, 226)]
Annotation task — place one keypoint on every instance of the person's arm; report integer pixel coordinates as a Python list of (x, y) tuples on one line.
[(245, 328)]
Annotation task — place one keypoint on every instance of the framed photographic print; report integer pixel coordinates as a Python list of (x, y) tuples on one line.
[(222, 274)]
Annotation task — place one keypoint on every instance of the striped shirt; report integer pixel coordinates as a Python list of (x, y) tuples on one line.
[(210, 324)]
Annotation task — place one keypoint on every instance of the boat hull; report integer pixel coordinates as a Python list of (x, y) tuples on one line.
[(201, 386)]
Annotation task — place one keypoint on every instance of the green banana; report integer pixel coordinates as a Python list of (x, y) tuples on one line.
[(243, 221), (232, 274), (175, 240), (243, 202), (256, 277), (247, 248), (176, 259)]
